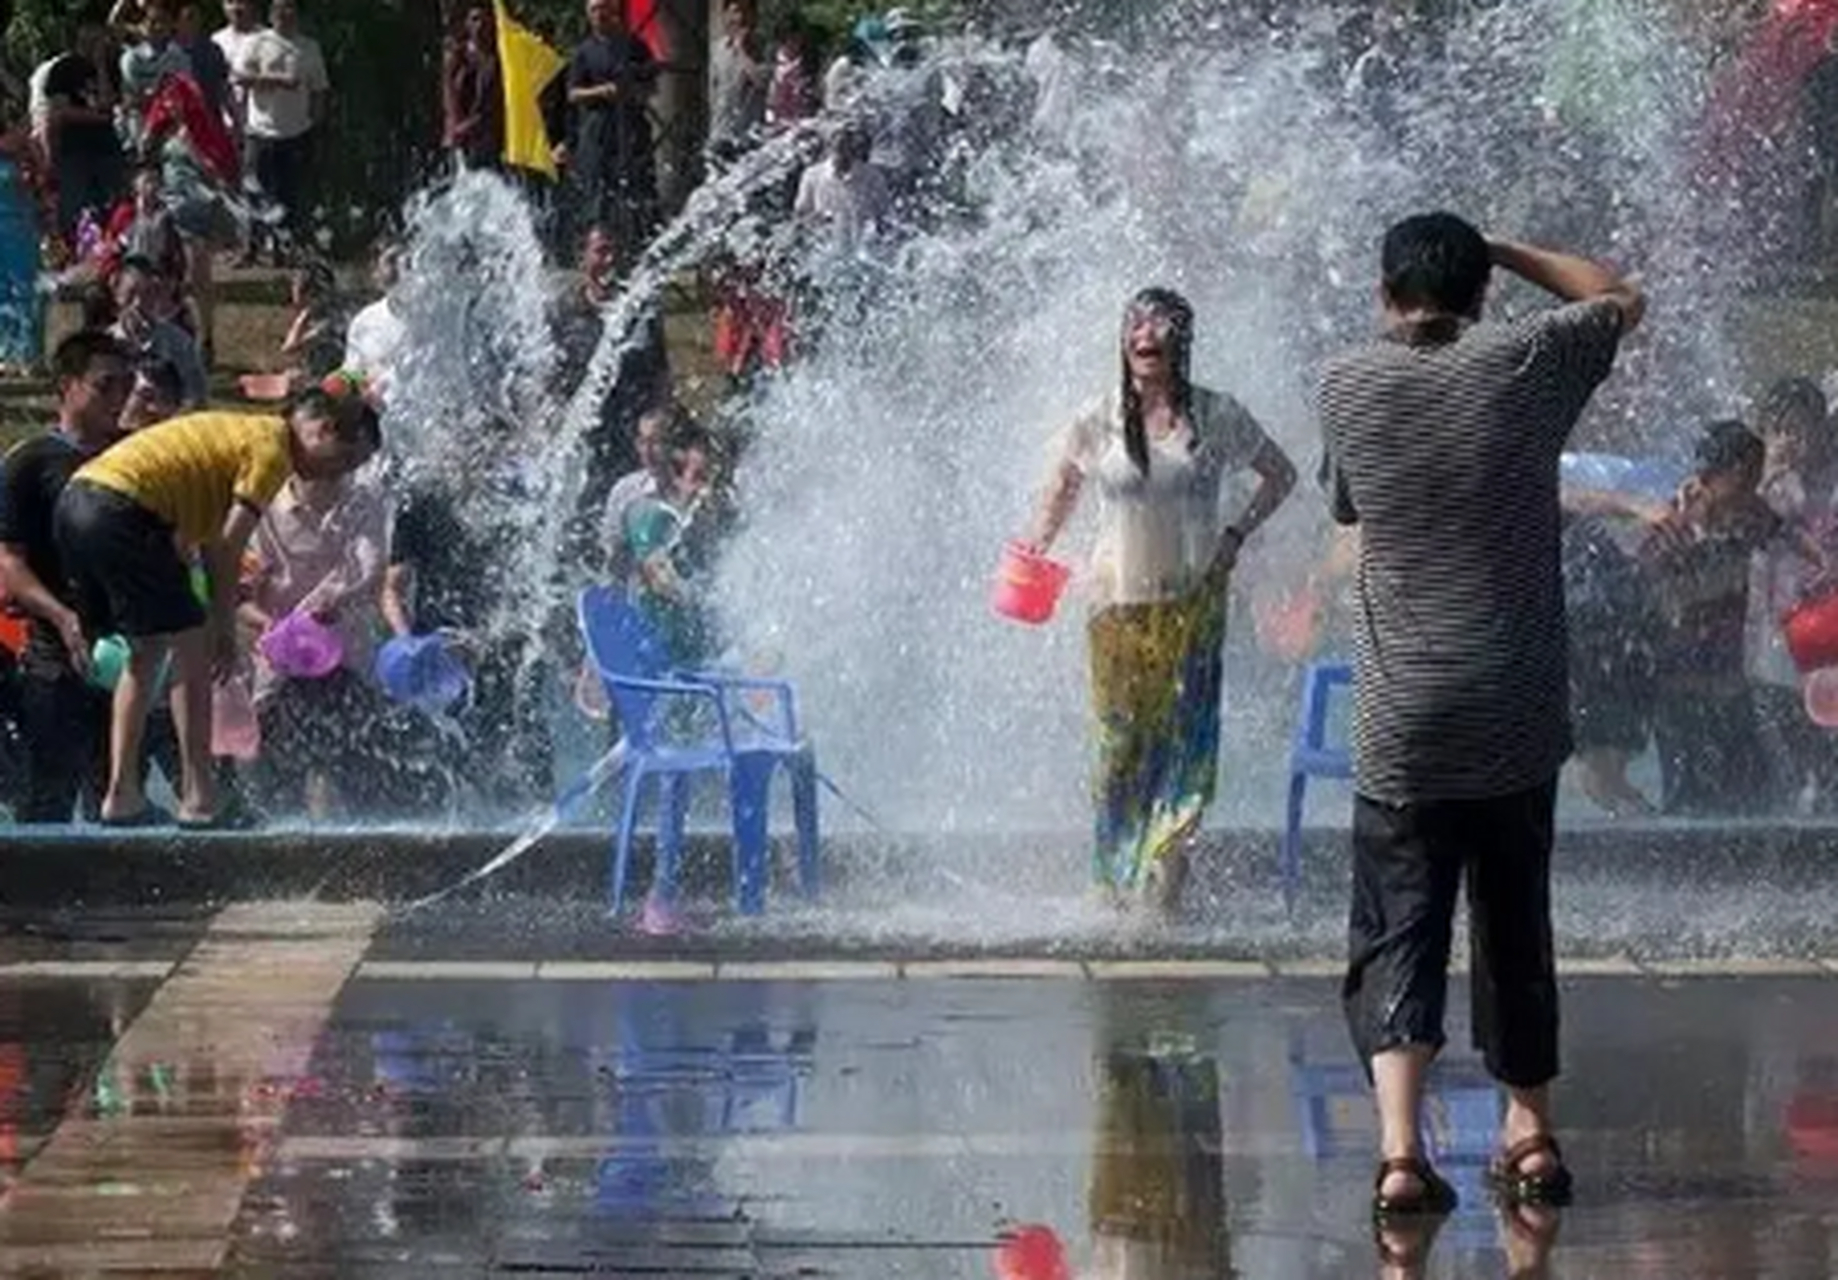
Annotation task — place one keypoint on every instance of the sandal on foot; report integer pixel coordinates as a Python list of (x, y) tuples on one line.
[(1507, 1175), (1434, 1197), (150, 816)]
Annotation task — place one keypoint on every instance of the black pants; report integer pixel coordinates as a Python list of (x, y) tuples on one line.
[(65, 721), (1711, 760), (280, 167), (1408, 865)]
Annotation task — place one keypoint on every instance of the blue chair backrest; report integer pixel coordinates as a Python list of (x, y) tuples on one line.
[(622, 642)]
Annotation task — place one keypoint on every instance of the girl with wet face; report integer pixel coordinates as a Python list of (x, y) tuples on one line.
[(1158, 450)]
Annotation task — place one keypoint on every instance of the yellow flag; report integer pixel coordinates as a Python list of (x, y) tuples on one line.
[(526, 64)]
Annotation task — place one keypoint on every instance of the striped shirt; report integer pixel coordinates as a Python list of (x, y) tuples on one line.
[(190, 471), (1446, 458)]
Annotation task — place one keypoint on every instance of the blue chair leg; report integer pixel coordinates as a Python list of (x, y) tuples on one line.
[(804, 811), (673, 809), (1291, 868), (628, 827), (749, 782)]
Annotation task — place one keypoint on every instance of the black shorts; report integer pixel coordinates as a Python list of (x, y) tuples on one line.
[(124, 563)]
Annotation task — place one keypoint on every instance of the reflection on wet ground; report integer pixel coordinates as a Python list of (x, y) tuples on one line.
[(895, 1129), (275, 1107)]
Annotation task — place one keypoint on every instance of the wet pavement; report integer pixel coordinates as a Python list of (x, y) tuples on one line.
[(271, 1091)]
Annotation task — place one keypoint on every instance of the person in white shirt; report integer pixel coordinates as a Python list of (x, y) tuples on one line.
[(375, 337), (235, 40), (282, 75), (845, 192)]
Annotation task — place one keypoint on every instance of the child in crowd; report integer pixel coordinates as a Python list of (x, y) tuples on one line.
[(1798, 483), (142, 227), (658, 547), (147, 320), (1658, 633), (315, 342), (125, 526), (158, 394), (321, 549)]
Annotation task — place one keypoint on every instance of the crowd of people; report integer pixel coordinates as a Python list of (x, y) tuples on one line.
[(139, 144)]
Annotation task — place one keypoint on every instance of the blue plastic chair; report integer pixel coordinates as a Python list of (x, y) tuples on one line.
[(1312, 756), (634, 666)]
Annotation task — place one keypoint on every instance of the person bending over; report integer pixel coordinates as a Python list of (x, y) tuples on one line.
[(125, 527)]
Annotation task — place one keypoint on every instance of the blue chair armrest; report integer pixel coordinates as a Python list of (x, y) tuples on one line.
[(781, 689), (680, 689)]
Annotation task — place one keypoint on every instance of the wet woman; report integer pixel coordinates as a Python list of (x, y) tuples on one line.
[(1158, 450)]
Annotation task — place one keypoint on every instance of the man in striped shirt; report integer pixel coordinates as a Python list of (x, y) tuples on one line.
[(1442, 441)]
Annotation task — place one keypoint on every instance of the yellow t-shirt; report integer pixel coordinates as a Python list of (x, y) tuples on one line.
[(190, 471)]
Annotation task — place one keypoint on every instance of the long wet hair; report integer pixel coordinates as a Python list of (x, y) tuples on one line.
[(1179, 313)]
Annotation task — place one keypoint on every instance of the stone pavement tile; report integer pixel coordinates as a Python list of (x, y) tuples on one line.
[(626, 971), (1735, 967), (994, 968), (447, 970), (166, 1164), (1177, 970), (807, 971)]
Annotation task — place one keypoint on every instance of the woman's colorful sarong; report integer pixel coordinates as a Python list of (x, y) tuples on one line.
[(1156, 682)]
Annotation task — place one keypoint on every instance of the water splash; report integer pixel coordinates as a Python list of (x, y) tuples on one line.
[(892, 461)]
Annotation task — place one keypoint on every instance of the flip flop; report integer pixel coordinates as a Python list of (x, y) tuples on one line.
[(151, 816)]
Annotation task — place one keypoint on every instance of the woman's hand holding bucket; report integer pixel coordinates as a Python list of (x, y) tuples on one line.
[(1028, 584)]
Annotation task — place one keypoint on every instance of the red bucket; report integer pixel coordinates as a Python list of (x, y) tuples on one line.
[(1811, 631), (1028, 585)]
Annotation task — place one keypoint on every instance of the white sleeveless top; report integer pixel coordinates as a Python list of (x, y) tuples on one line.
[(1157, 533)]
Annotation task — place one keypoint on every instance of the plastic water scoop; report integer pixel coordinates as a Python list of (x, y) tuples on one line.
[(108, 662), (1028, 585), (1031, 1252), (302, 647), (1811, 632), (422, 672)]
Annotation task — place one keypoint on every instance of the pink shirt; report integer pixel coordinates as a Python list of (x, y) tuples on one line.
[(332, 557)]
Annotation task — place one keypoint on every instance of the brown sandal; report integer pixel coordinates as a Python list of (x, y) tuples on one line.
[(1433, 1198), (1506, 1173)]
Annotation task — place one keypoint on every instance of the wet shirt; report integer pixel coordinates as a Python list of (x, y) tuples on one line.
[(191, 471), (1701, 592), (1781, 577), (1157, 534), (654, 531), (31, 478), (1446, 457), (329, 556)]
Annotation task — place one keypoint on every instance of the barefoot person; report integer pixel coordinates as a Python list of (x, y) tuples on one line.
[(1442, 444), (1158, 450), (126, 525)]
